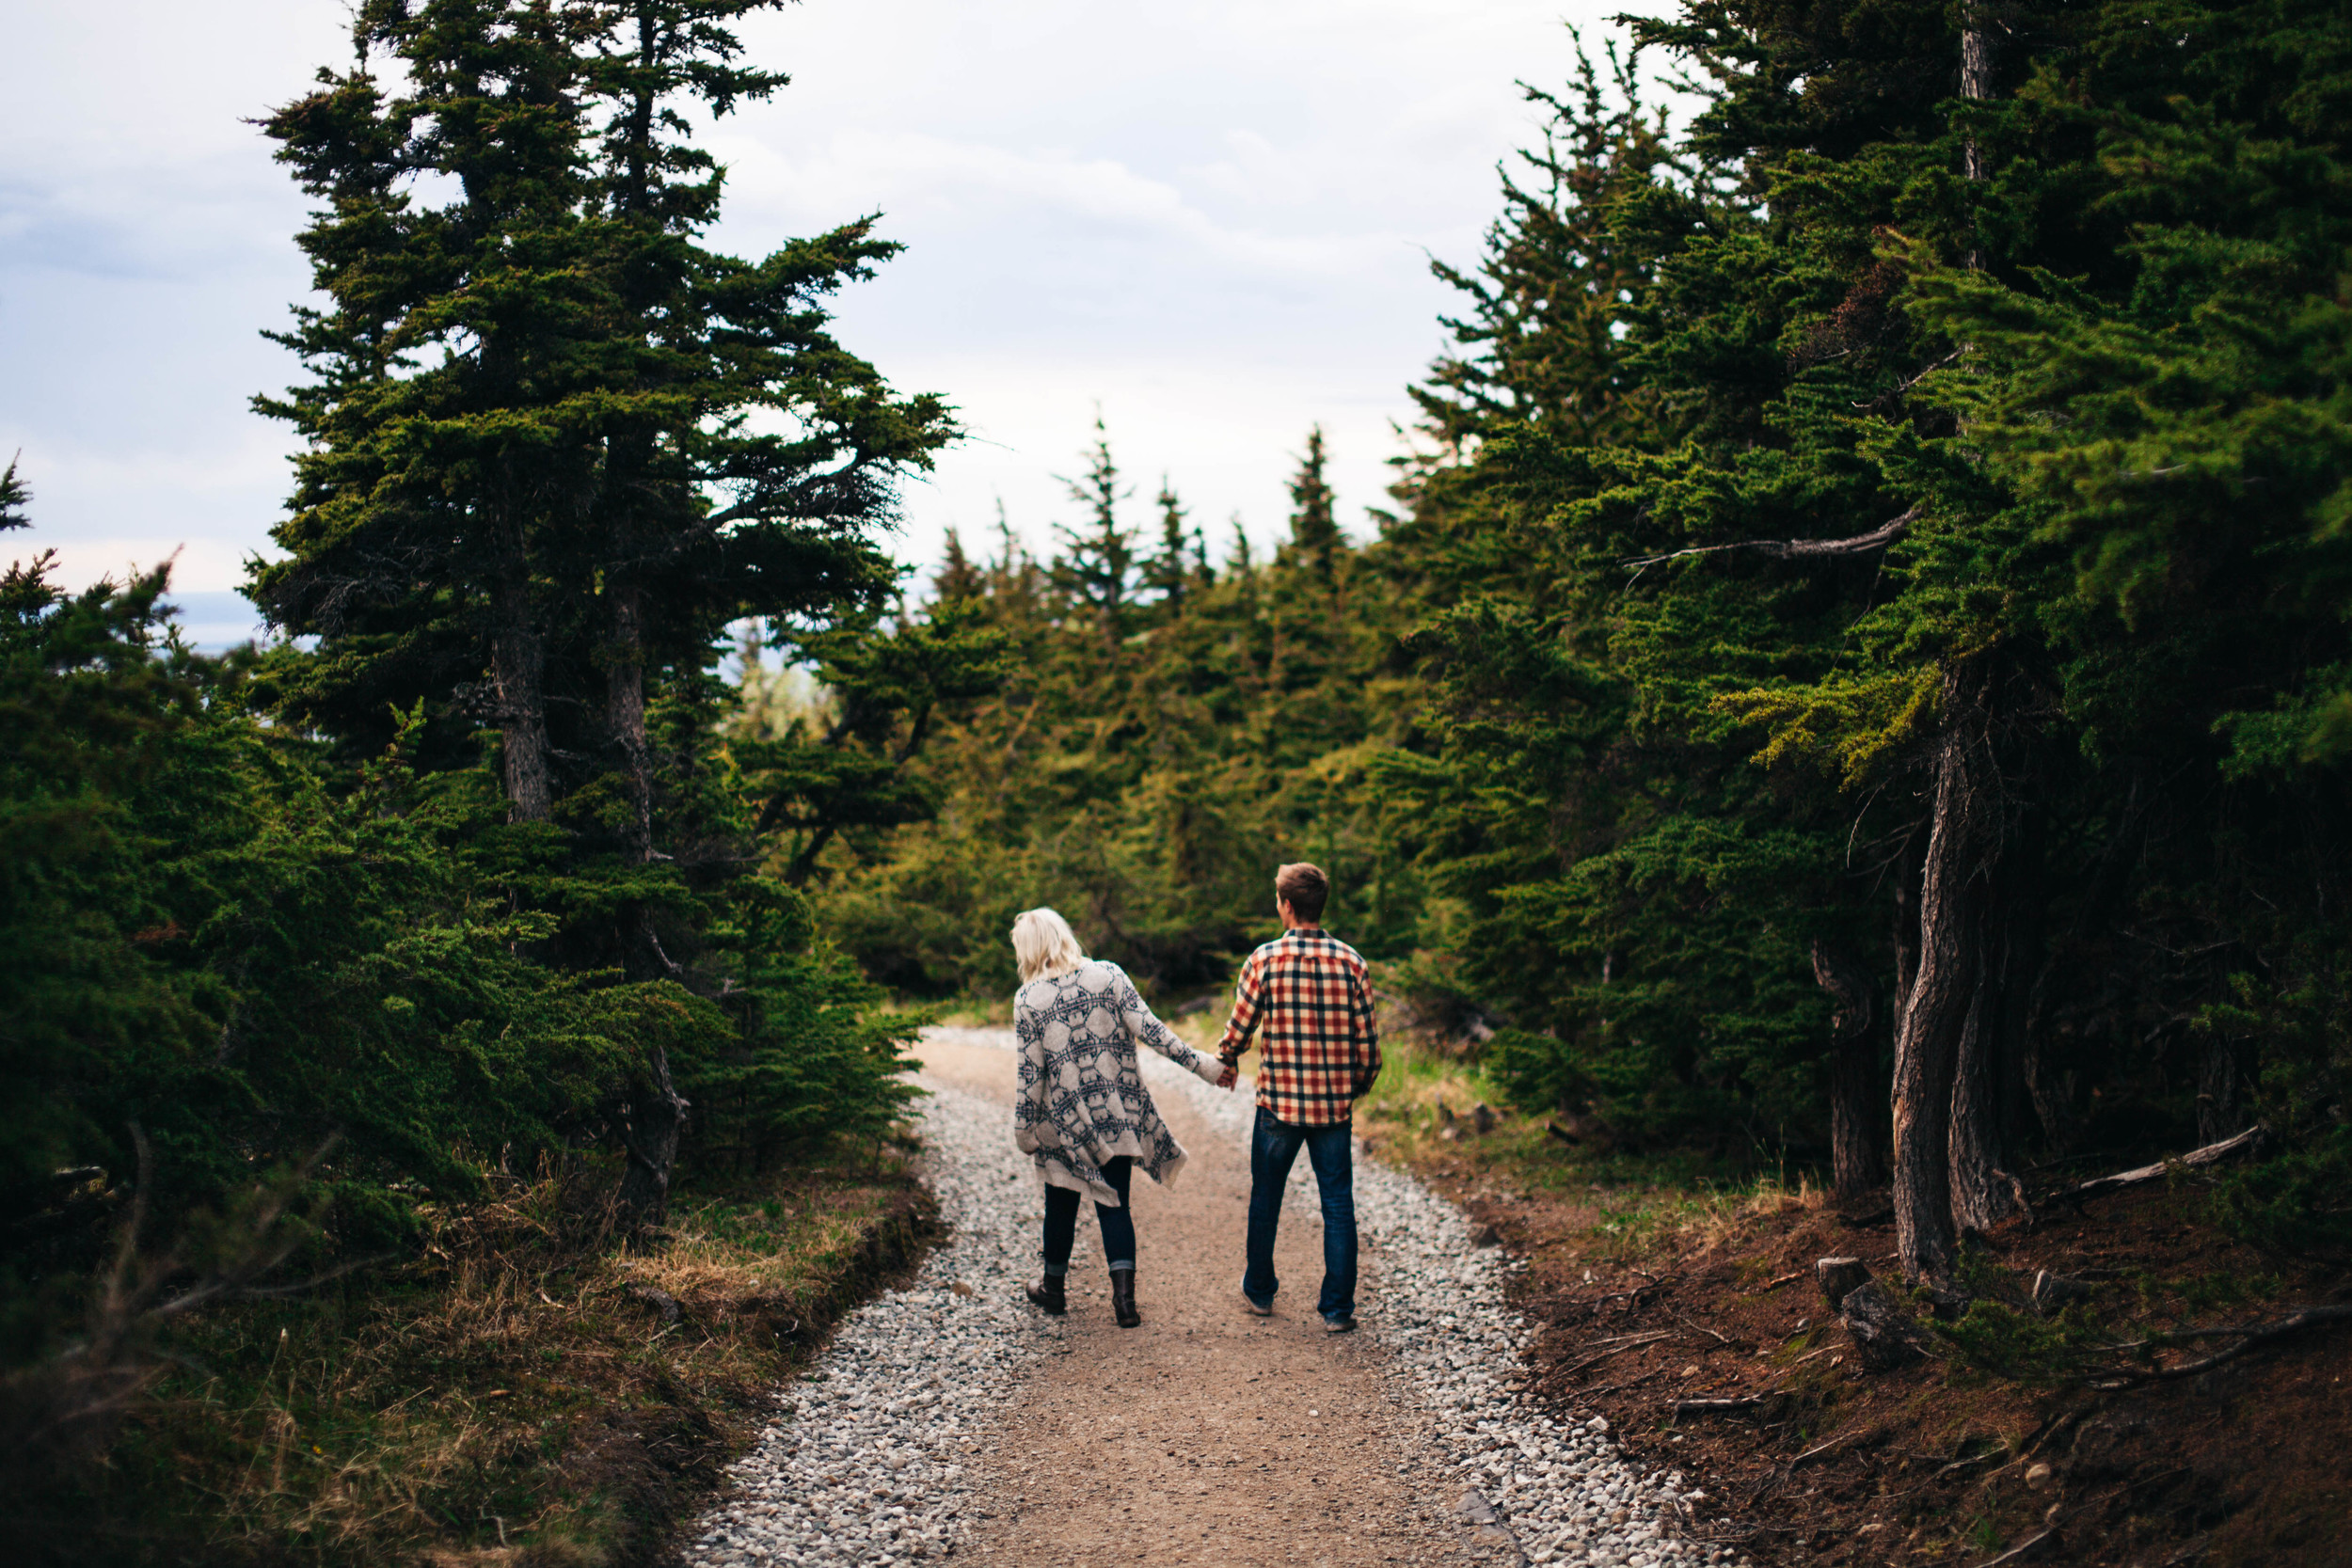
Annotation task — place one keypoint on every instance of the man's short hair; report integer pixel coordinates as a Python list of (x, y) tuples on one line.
[(1305, 888)]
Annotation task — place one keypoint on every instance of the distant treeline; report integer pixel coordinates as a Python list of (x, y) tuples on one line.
[(1863, 622)]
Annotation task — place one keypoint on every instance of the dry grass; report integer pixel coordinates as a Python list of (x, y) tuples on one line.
[(527, 1392)]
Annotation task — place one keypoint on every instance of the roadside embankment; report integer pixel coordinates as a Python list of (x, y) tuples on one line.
[(2069, 1414), (525, 1391)]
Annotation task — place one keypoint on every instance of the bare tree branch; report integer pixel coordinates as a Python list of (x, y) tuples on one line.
[(1797, 549)]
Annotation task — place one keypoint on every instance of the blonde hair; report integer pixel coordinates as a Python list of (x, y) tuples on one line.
[(1043, 944)]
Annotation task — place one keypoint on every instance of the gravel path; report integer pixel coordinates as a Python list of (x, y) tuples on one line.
[(952, 1419)]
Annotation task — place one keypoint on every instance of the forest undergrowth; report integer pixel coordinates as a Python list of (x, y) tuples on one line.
[(530, 1387), (1683, 1306)]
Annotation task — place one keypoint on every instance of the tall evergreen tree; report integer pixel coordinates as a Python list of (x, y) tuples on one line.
[(1098, 563), (1175, 566), (552, 434), (1315, 517)]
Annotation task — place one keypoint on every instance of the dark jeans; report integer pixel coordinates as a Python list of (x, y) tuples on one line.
[(1273, 1148), (1117, 1225)]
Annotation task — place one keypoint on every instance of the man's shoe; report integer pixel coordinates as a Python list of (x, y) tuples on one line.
[(1124, 1298), (1256, 1310), (1046, 1295), (1339, 1325)]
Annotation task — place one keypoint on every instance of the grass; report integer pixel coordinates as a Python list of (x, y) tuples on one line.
[(526, 1392)]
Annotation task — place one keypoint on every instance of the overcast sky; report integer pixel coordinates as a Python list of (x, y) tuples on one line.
[(1213, 219)]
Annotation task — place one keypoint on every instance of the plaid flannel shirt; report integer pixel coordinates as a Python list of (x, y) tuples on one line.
[(1307, 997)]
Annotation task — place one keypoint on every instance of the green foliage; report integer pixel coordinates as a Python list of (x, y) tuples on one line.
[(1773, 449), (1141, 741), (469, 880)]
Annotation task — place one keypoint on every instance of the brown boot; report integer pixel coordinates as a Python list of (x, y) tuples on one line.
[(1046, 1294), (1124, 1297)]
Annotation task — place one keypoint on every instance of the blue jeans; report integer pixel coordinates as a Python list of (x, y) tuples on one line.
[(1118, 1225), (1273, 1148)]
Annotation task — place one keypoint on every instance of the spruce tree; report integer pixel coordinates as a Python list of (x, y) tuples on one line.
[(553, 436), (1098, 563), (1315, 520), (1175, 567)]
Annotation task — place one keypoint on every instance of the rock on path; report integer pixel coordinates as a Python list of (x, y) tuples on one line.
[(952, 1419)]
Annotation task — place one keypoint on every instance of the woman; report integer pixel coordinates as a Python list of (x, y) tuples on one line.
[(1083, 1111)]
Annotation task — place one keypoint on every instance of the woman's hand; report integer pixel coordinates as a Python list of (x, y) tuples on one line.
[(1230, 1076)]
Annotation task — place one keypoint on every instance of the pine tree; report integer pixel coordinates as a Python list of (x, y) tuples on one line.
[(1097, 567), (1176, 567), (1315, 520), (536, 442), (13, 497)]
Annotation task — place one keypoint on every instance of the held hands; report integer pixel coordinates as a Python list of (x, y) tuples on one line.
[(1228, 1078)]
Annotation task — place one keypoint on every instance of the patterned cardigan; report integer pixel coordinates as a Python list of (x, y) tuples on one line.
[(1082, 1100)]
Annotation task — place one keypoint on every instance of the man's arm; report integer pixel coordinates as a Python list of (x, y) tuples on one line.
[(1247, 993), (1364, 1025)]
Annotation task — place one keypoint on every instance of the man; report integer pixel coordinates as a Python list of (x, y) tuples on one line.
[(1307, 999)]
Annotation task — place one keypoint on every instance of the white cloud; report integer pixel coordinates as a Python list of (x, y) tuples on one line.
[(1212, 215)]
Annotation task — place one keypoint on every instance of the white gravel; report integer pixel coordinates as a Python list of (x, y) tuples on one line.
[(1436, 1300), (865, 1463)]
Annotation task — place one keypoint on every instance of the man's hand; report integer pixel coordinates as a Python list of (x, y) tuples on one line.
[(1230, 1076)]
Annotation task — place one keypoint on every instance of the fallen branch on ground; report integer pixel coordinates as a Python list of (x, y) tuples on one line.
[(2019, 1552), (1818, 1448), (2255, 1334), (1717, 1407), (2194, 1159), (1636, 1343), (1704, 1329)]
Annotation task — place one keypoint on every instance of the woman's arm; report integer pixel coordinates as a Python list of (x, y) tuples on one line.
[(1136, 1018), (1029, 1109)]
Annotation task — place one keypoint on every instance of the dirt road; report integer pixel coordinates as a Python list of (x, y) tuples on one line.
[(1207, 1435)]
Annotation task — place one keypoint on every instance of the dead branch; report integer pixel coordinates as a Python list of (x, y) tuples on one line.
[(1704, 1329), (1796, 549), (1717, 1407), (2194, 1159), (1895, 392), (2255, 1334), (1838, 1442), (1636, 1343), (2020, 1552)]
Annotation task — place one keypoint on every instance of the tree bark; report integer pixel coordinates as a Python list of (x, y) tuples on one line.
[(1853, 1141), (1989, 1104), (1907, 928), (1976, 58), (656, 1117), (1976, 52), (625, 710), (1980, 1193), (2218, 1112), (1945, 993), (518, 664)]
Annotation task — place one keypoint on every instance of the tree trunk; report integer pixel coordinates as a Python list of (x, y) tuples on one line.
[(1945, 992), (1853, 1141), (1981, 1194), (2219, 1112), (625, 710), (1976, 49), (1907, 927), (518, 664), (656, 1117), (1989, 1089)]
